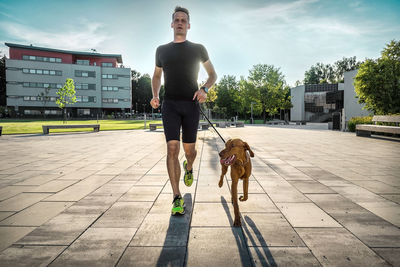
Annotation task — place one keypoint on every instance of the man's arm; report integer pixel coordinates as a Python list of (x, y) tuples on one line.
[(212, 75), (155, 86), (201, 95)]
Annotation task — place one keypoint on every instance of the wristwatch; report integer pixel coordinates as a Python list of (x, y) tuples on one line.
[(205, 89)]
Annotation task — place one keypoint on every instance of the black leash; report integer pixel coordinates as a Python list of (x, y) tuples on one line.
[(210, 122)]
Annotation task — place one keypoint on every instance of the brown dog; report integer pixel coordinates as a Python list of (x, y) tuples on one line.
[(235, 155)]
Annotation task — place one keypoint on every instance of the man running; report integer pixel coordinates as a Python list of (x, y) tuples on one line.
[(180, 62)]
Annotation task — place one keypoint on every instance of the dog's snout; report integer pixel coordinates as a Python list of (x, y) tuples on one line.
[(221, 153)]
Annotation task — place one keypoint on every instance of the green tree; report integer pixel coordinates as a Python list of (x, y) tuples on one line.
[(320, 73), (44, 98), (377, 82), (66, 95), (211, 97), (343, 65), (267, 88), (227, 95), (142, 92)]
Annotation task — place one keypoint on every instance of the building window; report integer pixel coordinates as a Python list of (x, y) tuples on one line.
[(106, 64), (82, 62), (82, 73), (110, 88), (44, 59), (109, 76), (43, 72)]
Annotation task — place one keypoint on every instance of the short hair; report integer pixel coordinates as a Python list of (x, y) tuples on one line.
[(180, 9)]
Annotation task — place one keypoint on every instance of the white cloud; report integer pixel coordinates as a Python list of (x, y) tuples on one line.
[(79, 37)]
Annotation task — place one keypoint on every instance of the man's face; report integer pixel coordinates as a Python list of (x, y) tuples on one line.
[(180, 24)]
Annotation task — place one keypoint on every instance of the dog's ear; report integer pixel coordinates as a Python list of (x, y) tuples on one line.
[(247, 147)]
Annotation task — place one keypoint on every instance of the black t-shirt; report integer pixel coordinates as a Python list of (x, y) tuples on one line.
[(180, 63)]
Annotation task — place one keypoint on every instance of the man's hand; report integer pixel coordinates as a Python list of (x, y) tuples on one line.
[(200, 95), (155, 102)]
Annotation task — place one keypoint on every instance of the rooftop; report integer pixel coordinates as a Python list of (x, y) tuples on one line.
[(90, 54)]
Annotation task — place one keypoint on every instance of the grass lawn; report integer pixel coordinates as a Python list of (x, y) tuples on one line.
[(35, 126)]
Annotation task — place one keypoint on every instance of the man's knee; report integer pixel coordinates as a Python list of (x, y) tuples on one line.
[(173, 148)]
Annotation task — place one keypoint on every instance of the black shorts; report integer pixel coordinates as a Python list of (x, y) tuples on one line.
[(177, 114)]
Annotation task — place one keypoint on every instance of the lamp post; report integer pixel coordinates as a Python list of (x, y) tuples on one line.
[(252, 120), (144, 112)]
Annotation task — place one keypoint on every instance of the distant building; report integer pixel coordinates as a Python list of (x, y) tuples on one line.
[(317, 102), (102, 85)]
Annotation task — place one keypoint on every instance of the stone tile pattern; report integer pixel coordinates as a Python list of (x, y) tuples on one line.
[(316, 198)]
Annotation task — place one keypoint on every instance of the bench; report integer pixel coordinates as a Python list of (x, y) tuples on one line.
[(46, 128), (153, 126), (204, 125), (276, 122), (1, 129), (366, 129), (239, 124)]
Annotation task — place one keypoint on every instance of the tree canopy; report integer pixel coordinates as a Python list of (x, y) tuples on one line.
[(326, 73), (377, 82)]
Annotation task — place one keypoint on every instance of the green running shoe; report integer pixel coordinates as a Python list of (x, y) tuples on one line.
[(178, 206), (188, 176)]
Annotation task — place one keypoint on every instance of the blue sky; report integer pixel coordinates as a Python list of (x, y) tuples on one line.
[(291, 35)]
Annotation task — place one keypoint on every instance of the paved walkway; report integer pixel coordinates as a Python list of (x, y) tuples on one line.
[(317, 197)]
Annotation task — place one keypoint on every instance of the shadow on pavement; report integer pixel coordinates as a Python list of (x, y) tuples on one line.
[(264, 255), (239, 237), (175, 255)]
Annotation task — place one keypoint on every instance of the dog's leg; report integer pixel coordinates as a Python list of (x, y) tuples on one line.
[(245, 189), (221, 179), (235, 181)]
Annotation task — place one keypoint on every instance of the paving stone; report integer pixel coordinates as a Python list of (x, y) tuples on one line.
[(257, 203), (29, 255), (114, 188), (387, 210), (394, 198), (142, 193), (391, 255), (36, 214), (80, 189), (62, 230), (204, 248), (159, 180), (96, 247), (10, 191), (282, 191), (358, 194), (282, 256), (124, 214), (53, 186), (162, 230), (21, 201), (378, 187), (338, 247), (5, 214), (77, 175), (306, 215), (39, 180), (269, 229), (212, 193), (8, 235), (369, 228), (213, 214), (153, 256), (387, 179), (311, 187)]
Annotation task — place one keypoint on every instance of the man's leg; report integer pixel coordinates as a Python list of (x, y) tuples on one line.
[(174, 170), (190, 154)]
